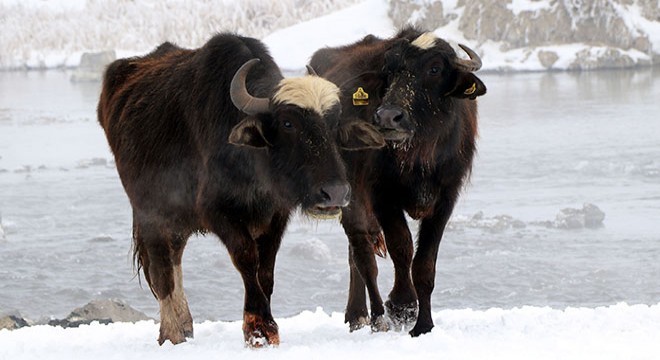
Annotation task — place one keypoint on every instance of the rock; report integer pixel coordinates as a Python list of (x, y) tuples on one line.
[(12, 322), (590, 216), (425, 14), (103, 311), (113, 309), (92, 65), (548, 58), (76, 323), (600, 33)]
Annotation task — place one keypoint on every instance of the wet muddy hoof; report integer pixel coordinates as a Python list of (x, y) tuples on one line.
[(357, 324), (259, 332), (380, 324), (175, 337), (403, 316)]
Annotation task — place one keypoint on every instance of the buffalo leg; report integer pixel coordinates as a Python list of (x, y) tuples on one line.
[(357, 315), (259, 327), (402, 303), (362, 253), (159, 253), (424, 263), (268, 244), (363, 232)]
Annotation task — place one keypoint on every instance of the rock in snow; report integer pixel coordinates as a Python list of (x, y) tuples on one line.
[(103, 311), (12, 322), (593, 34), (590, 216)]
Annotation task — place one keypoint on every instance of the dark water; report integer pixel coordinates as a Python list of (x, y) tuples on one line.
[(547, 142)]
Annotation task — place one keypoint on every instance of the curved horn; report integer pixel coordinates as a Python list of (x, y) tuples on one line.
[(311, 71), (239, 94), (473, 64)]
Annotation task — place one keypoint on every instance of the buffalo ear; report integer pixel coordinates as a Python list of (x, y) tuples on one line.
[(248, 132), (360, 135), (468, 86)]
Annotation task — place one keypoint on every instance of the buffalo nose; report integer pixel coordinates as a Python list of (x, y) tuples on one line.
[(335, 194), (390, 116)]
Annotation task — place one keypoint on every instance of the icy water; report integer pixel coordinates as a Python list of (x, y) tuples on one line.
[(548, 142)]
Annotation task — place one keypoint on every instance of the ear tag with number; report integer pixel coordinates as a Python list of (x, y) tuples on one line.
[(360, 97)]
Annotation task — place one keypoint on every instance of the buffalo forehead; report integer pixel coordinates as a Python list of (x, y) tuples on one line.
[(308, 92), (425, 41)]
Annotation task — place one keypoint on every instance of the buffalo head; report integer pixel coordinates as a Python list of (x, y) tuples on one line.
[(425, 79), (298, 128)]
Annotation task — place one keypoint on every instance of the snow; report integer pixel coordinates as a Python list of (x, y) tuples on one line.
[(610, 332), (518, 6), (52, 34), (339, 28), (616, 332)]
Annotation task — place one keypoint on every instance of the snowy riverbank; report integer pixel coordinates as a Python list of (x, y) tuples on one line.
[(616, 332), (37, 35)]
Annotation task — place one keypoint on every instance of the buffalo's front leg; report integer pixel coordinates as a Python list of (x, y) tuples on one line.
[(402, 303), (364, 237), (357, 315), (424, 263), (268, 244), (259, 327), (364, 261)]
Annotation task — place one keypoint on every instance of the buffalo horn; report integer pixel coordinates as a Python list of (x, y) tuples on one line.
[(239, 94), (311, 71), (473, 64)]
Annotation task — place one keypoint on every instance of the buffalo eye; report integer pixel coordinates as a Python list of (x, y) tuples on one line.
[(434, 70), (288, 124)]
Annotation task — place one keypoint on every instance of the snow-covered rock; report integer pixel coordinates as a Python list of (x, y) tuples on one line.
[(544, 34)]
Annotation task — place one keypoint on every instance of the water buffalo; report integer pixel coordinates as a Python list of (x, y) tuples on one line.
[(216, 140), (420, 95)]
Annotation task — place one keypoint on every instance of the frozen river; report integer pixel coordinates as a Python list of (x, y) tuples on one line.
[(548, 142)]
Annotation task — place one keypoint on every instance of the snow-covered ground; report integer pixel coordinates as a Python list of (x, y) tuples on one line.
[(548, 142), (616, 332)]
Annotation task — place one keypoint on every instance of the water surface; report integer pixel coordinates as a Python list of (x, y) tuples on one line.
[(548, 141)]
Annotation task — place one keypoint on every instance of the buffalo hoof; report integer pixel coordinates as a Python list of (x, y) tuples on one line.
[(175, 336), (259, 332), (175, 333), (420, 329), (379, 324), (402, 316), (357, 324)]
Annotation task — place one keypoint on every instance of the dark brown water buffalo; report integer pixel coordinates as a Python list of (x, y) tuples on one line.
[(421, 96), (216, 140)]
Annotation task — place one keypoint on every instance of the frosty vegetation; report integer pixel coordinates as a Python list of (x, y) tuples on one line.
[(37, 36)]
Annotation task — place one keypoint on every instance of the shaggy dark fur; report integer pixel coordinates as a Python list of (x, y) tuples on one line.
[(190, 161), (423, 103)]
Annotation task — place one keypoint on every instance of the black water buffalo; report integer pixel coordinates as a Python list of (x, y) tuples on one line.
[(420, 95), (216, 140)]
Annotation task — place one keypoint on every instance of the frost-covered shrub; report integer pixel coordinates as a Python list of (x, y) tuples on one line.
[(36, 35)]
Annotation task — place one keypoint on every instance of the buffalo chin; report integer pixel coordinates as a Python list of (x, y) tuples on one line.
[(395, 135), (324, 213)]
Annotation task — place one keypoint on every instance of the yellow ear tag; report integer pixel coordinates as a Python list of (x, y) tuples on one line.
[(360, 98), (471, 90)]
